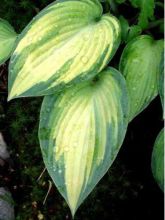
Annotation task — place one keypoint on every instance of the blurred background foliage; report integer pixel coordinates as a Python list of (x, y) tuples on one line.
[(127, 191)]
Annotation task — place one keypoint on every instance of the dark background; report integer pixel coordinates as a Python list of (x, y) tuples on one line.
[(127, 191)]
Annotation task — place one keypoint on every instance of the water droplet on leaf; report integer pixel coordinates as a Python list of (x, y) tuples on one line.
[(59, 171), (54, 168), (136, 61), (84, 59)]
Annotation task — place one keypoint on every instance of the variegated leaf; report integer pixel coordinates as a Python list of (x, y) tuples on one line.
[(68, 42), (140, 65), (7, 39), (81, 132), (158, 160)]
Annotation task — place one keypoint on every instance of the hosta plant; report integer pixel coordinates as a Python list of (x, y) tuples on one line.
[(63, 54)]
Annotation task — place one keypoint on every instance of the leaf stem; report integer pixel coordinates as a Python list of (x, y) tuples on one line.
[(50, 186), (43, 171)]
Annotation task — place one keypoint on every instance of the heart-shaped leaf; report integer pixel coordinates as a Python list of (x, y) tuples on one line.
[(158, 160), (81, 131), (67, 42), (140, 65), (7, 39)]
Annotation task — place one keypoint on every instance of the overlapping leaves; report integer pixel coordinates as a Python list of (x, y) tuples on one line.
[(84, 120)]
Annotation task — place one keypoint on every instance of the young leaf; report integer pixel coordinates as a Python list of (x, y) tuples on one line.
[(158, 160), (128, 32), (133, 32), (7, 39), (68, 42), (124, 28), (81, 132), (140, 64), (146, 11)]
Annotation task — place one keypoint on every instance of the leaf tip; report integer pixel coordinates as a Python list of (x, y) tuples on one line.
[(73, 208), (10, 97), (73, 212)]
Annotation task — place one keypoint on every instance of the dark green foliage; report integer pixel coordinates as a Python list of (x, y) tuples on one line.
[(128, 190), (120, 1), (15, 11), (129, 32), (133, 32), (124, 28), (146, 11)]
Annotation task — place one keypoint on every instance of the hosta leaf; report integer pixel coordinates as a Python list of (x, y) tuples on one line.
[(81, 132), (68, 42), (7, 40), (140, 65), (158, 160), (161, 82)]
